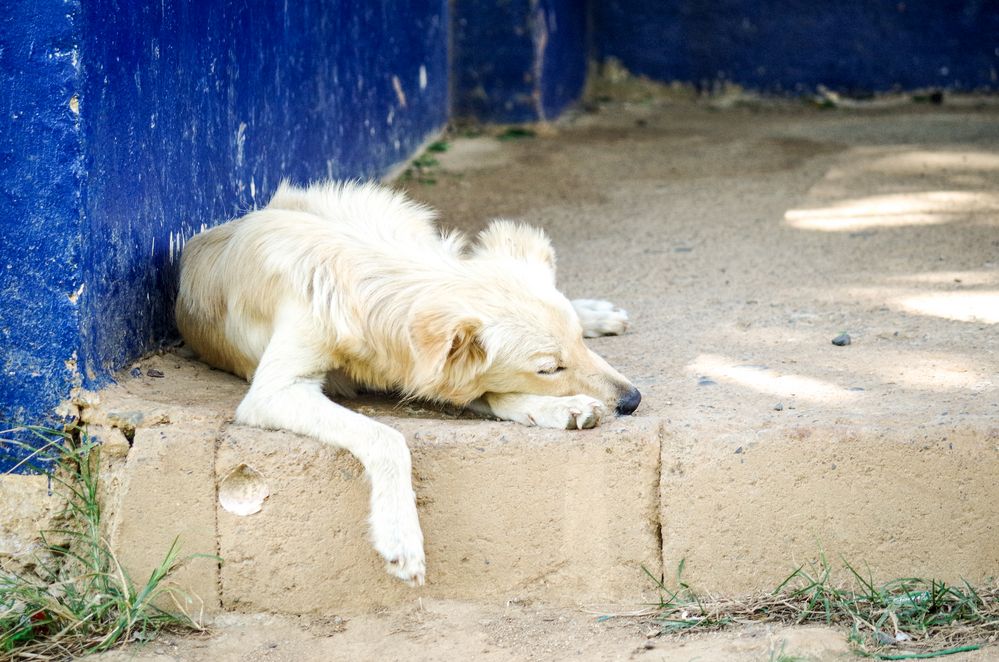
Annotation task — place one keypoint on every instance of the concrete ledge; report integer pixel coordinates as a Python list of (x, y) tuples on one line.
[(745, 510), (27, 505), (507, 513), (164, 490)]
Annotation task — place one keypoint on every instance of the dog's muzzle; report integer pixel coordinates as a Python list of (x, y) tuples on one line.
[(629, 402)]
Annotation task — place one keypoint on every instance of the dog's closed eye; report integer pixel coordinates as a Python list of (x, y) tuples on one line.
[(551, 370)]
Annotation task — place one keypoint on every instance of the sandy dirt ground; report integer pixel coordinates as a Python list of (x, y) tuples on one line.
[(742, 242), (460, 631), (442, 630)]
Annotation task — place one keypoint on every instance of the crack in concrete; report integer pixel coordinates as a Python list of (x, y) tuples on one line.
[(657, 517), (223, 428)]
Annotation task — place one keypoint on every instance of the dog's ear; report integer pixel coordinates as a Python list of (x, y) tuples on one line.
[(518, 241), (447, 349)]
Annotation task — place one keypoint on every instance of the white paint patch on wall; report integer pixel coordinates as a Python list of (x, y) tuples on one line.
[(399, 93), (240, 143)]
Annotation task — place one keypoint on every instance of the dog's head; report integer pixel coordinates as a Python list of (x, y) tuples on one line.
[(509, 330)]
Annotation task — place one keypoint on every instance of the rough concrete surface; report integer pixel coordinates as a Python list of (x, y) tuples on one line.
[(504, 515), (25, 501), (741, 242), (166, 493)]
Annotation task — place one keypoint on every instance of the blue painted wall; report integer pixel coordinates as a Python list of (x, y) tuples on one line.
[(188, 114), (196, 110), (518, 60), (794, 45), (41, 243)]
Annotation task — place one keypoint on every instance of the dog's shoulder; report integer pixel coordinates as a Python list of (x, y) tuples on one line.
[(361, 205)]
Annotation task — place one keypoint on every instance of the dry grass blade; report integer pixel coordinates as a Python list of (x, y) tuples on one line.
[(82, 600), (909, 618)]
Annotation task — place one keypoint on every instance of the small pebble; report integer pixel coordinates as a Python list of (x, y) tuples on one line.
[(153, 372), (884, 639), (738, 451), (841, 340), (704, 381), (649, 644), (779, 406), (135, 372)]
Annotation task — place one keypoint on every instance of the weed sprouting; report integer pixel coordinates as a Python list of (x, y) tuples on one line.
[(907, 618), (79, 599)]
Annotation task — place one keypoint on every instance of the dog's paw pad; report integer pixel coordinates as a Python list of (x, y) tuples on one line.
[(600, 318)]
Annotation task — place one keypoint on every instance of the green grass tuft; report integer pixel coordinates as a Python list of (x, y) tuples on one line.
[(517, 133), (908, 618), (80, 600)]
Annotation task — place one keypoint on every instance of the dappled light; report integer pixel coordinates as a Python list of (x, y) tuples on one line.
[(765, 380), (893, 210), (938, 371), (964, 278), (979, 307), (916, 162)]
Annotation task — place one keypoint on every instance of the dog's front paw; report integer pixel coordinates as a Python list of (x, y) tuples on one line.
[(400, 542), (577, 412), (600, 318), (403, 554)]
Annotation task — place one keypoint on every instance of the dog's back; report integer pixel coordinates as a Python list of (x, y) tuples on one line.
[(305, 244)]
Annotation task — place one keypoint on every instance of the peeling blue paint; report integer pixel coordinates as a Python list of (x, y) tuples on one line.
[(41, 245), (518, 60), (792, 46), (200, 109), (188, 114)]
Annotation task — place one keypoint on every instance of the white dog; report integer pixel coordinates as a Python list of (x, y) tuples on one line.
[(350, 286)]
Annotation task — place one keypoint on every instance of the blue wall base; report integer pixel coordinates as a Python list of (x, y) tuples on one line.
[(519, 60), (793, 46)]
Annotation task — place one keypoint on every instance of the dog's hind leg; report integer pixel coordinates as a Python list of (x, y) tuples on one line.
[(286, 394), (600, 318)]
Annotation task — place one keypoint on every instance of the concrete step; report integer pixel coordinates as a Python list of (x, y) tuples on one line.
[(507, 512), (515, 513), (744, 510)]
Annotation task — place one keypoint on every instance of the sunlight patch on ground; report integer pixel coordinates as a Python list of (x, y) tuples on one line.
[(981, 307), (769, 381), (893, 210), (966, 278), (933, 372), (920, 161)]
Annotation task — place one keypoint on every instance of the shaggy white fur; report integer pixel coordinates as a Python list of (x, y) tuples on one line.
[(350, 286)]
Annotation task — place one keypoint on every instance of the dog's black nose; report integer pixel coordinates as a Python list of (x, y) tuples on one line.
[(629, 402)]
